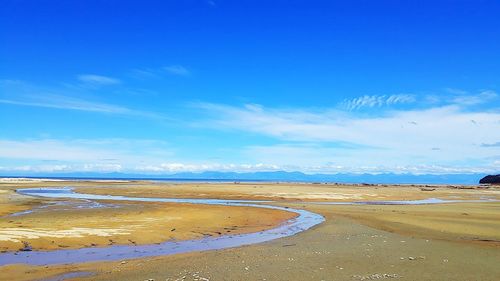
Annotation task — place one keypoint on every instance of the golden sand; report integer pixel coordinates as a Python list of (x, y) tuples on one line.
[(357, 242), (60, 226), (288, 192)]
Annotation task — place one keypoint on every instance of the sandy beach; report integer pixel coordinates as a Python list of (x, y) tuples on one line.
[(214, 140), (458, 241)]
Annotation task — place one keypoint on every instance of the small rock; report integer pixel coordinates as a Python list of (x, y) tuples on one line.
[(27, 247)]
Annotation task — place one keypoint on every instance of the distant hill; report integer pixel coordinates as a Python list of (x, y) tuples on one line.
[(388, 178), (491, 179)]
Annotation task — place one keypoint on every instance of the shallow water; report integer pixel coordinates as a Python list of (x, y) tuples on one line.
[(303, 221), (64, 205), (65, 276), (427, 201)]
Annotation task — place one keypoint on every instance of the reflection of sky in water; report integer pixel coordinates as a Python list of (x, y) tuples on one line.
[(64, 206), (65, 276), (303, 221)]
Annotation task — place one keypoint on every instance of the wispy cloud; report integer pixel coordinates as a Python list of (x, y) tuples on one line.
[(183, 167), (62, 102), (104, 155), (70, 103), (151, 157), (172, 168), (98, 79), (465, 99), (64, 168), (401, 138), (177, 70), (144, 73), (120, 151), (159, 72), (70, 97), (496, 144), (377, 101)]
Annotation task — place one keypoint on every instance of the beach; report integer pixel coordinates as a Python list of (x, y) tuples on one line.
[(455, 240)]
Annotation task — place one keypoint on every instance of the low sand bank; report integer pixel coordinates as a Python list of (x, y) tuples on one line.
[(64, 224), (357, 242), (463, 222), (339, 249), (290, 192)]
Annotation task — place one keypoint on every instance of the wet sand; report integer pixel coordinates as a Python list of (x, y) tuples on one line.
[(68, 224), (292, 192), (429, 242)]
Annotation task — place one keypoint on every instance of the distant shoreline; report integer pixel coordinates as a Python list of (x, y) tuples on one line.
[(212, 180)]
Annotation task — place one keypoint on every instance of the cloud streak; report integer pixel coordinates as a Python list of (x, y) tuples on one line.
[(177, 70), (377, 101), (62, 102), (70, 103), (468, 100), (496, 144), (400, 138), (98, 79), (104, 151)]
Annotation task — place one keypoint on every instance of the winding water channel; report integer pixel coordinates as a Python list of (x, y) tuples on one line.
[(302, 222)]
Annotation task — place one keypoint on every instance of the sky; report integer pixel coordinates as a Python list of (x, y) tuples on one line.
[(161, 87)]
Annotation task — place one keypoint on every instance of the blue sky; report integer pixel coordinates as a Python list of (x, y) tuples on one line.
[(159, 87)]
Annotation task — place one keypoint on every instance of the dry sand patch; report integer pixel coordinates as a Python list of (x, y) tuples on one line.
[(355, 242), (286, 191), (339, 249), (67, 226)]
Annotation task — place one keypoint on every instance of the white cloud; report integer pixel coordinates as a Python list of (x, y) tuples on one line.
[(456, 91), (150, 73), (70, 103), (173, 168), (321, 159), (377, 101), (21, 93), (101, 168), (98, 79), (432, 124), (397, 138), (144, 73), (151, 157), (467, 99), (177, 70), (181, 167), (496, 144), (62, 102), (97, 151)]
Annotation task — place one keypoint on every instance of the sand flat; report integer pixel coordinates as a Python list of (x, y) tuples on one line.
[(66, 225), (289, 191), (454, 241)]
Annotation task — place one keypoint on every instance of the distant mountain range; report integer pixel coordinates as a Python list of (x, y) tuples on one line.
[(388, 178)]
